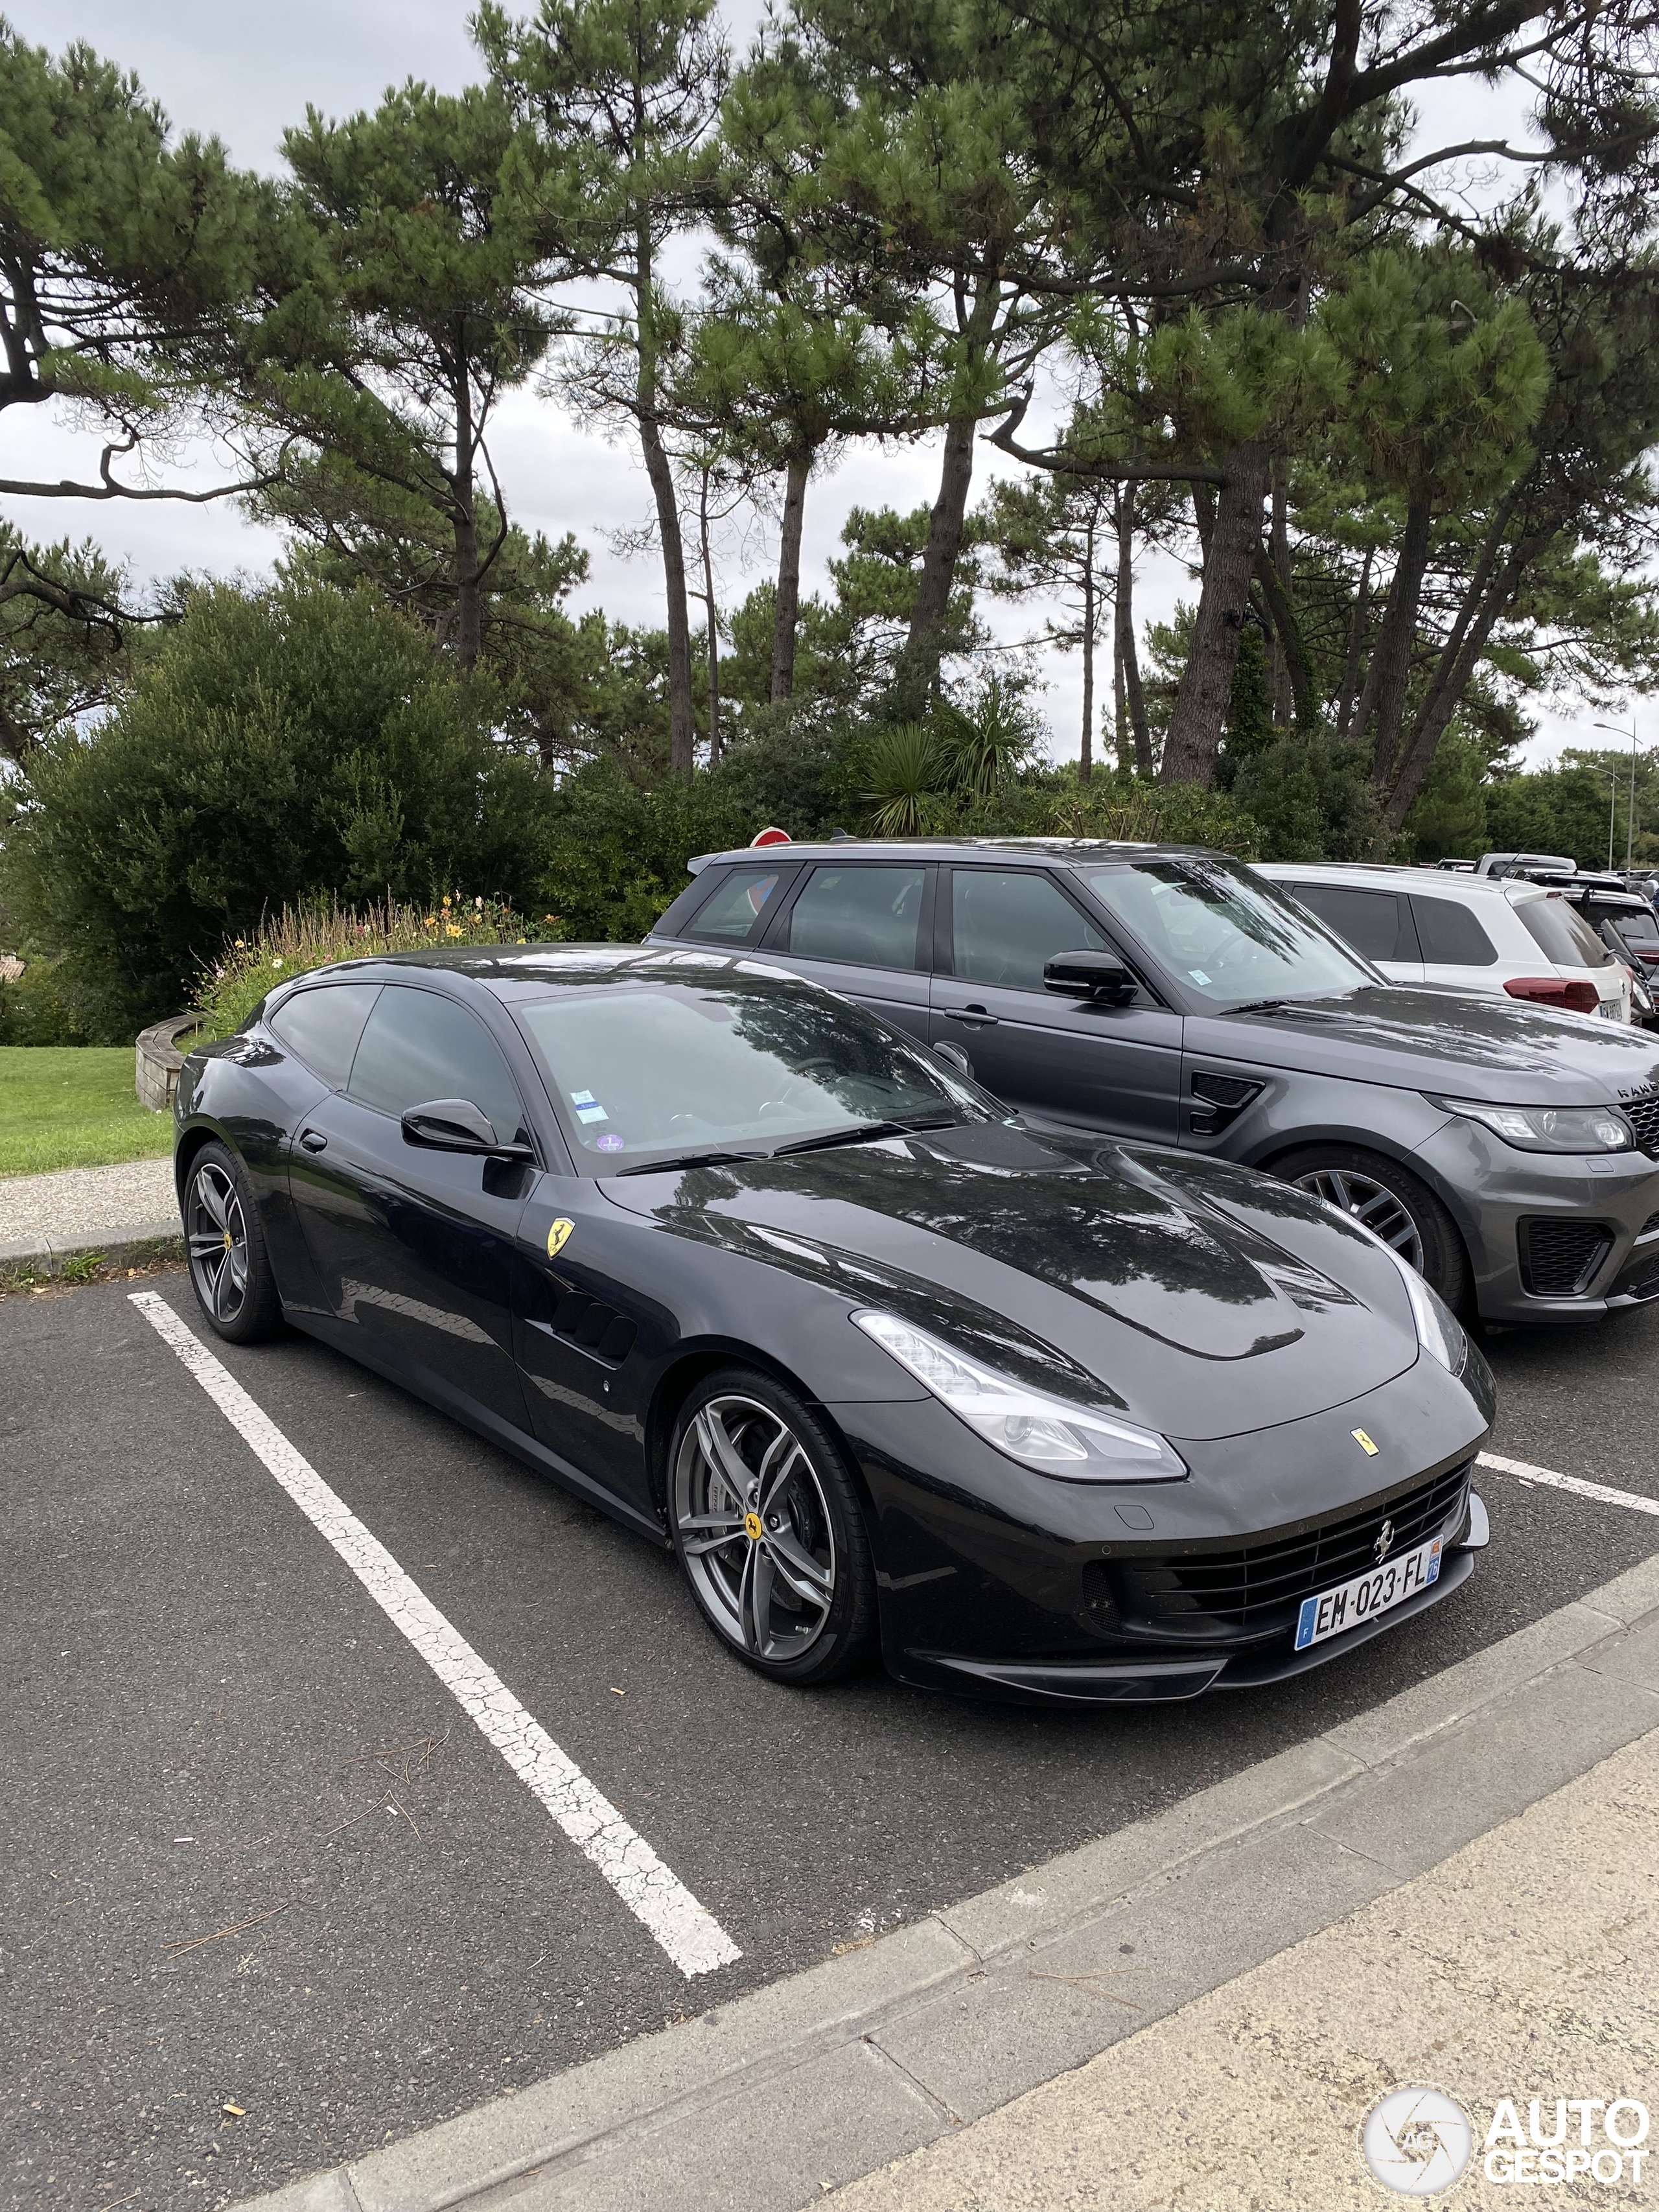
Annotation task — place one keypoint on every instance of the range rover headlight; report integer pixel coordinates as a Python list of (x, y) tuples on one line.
[(1072, 1442), (1546, 1128)]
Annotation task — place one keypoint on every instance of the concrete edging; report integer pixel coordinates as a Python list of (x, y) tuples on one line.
[(761, 2104), (121, 1247)]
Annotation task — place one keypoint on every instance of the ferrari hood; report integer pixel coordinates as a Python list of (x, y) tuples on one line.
[(1206, 1299)]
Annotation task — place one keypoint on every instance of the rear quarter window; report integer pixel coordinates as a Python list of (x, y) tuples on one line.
[(1562, 935), (321, 1027), (1450, 935), (737, 906)]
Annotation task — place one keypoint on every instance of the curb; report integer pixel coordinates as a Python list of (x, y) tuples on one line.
[(763, 2105), (120, 1247)]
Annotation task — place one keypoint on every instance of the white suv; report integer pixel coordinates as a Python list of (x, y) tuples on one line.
[(1472, 933)]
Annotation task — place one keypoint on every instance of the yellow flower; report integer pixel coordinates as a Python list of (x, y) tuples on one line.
[(241, 947), (431, 921), (449, 930)]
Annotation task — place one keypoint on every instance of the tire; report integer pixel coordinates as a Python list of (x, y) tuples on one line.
[(767, 1524), (1391, 1200), (225, 1242)]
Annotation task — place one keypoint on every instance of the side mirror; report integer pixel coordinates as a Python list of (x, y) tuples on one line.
[(1098, 975), (455, 1125), (955, 1059)]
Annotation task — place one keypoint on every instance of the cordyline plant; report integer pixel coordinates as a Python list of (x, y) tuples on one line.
[(302, 938)]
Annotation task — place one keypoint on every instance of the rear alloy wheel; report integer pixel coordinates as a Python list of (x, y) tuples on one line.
[(1391, 1202), (768, 1527), (230, 1271)]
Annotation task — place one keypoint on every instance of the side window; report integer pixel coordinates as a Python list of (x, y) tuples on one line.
[(320, 1027), (417, 1046), (1372, 921), (1449, 932), (1005, 925), (736, 903), (1562, 934), (867, 916)]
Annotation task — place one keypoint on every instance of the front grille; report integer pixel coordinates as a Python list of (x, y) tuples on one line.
[(1258, 1589), (1559, 1258), (1643, 1115)]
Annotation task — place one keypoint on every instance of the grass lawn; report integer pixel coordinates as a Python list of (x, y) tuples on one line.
[(73, 1107)]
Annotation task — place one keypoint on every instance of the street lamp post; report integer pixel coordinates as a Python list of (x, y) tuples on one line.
[(1618, 730), (1601, 768)]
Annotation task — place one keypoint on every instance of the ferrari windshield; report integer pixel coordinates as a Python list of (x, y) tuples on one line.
[(1225, 933), (653, 1066)]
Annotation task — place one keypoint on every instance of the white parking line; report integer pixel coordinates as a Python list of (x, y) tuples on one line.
[(1600, 1491), (688, 1931)]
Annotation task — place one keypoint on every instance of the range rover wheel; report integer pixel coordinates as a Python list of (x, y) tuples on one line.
[(768, 1529), (1403, 1212)]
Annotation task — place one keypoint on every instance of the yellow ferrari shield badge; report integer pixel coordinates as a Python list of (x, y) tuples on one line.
[(557, 1238), (1365, 1444), (752, 1529)]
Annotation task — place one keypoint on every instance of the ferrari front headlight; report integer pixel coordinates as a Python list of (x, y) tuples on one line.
[(1076, 1442)]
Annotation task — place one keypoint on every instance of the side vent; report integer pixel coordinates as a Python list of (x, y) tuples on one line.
[(1218, 1099), (596, 1327)]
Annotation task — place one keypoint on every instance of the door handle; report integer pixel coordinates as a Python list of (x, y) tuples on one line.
[(314, 1140), (973, 1017)]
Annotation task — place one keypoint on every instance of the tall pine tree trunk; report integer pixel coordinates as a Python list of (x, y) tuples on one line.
[(1389, 675), (682, 721), (1128, 659), (786, 619), (924, 645), (1085, 758), (714, 627), (1206, 681), (468, 611)]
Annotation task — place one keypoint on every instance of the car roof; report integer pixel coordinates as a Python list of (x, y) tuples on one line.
[(512, 971), (1435, 882), (1070, 850)]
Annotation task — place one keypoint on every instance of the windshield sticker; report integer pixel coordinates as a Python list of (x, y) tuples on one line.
[(587, 1107), (1198, 975), (609, 1142)]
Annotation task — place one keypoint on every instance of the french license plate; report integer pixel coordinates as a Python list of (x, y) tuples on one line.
[(1367, 1595), (1611, 1010)]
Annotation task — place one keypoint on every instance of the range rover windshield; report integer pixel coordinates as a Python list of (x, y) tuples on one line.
[(1227, 934)]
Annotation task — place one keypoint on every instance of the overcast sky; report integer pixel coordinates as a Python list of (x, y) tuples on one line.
[(247, 73)]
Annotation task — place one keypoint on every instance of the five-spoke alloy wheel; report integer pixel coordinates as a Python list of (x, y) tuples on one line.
[(228, 1269), (767, 1524)]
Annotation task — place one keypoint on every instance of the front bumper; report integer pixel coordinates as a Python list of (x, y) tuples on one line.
[(1551, 1236), (996, 1581)]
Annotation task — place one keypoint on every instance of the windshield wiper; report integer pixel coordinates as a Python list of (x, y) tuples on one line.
[(1307, 1005), (863, 1132), (686, 1160)]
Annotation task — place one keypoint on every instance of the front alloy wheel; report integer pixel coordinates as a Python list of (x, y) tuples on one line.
[(1391, 1201), (768, 1528)]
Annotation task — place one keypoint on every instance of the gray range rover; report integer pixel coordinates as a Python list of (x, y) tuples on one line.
[(1175, 997)]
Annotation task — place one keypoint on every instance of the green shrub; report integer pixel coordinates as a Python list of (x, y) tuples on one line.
[(616, 852), (32, 1009), (278, 747)]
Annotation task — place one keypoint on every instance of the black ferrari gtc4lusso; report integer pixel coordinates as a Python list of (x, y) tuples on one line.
[(1044, 1416)]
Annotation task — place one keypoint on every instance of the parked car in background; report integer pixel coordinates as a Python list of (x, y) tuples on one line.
[(1474, 933), (1503, 864), (1176, 997)]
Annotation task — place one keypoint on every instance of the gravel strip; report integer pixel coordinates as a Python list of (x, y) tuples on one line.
[(72, 1200)]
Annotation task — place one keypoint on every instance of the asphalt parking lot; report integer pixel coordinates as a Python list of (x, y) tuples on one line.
[(214, 1732)]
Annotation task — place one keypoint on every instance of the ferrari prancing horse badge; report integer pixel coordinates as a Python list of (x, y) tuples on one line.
[(557, 1238)]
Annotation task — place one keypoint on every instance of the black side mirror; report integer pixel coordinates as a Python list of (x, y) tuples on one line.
[(455, 1125), (1098, 975)]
